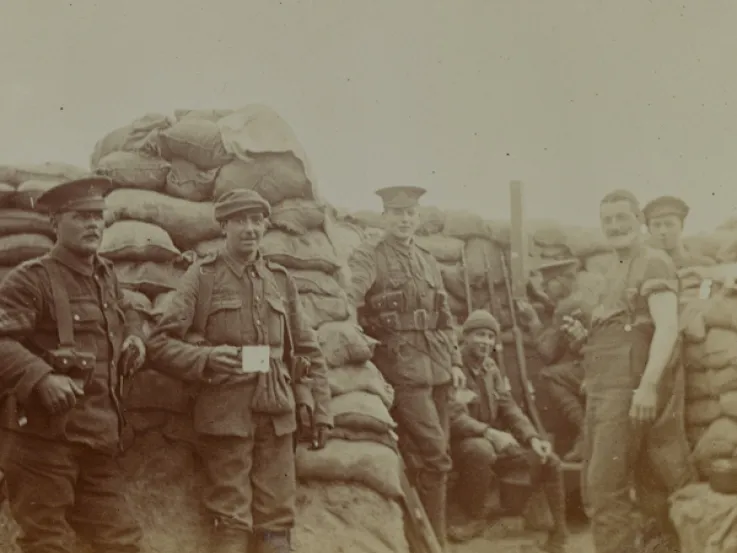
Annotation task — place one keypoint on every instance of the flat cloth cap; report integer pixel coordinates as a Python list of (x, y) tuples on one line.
[(239, 201), (480, 319), (86, 194), (400, 196), (665, 205)]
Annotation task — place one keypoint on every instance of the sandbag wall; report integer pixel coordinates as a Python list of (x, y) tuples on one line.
[(167, 171), (25, 233), (709, 325)]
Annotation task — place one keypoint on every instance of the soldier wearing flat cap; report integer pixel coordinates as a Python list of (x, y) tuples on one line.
[(236, 328), (66, 336), (398, 290), (665, 217)]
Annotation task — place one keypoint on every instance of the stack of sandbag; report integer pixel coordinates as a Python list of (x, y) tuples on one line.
[(709, 327), (706, 521), (24, 232)]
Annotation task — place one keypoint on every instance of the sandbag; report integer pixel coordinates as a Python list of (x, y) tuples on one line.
[(137, 241), (368, 463), (319, 309), (699, 385), (151, 390), (365, 218), (344, 236), (700, 412), (706, 521), (316, 282), (724, 380), (728, 404), (709, 244), (7, 192), (483, 257), (209, 114), (360, 378), (309, 252), (363, 404), (465, 225), (722, 311), (579, 241), (134, 170), (138, 301), (718, 442), (442, 248), (187, 181), (161, 304), (694, 433), (142, 136), (18, 248), (600, 263), (454, 280), (344, 343), (147, 277), (19, 221), (718, 350), (432, 220), (276, 177), (27, 193), (297, 216), (57, 172), (198, 141), (209, 247), (186, 222)]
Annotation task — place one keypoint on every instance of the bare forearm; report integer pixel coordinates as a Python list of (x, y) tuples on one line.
[(661, 349)]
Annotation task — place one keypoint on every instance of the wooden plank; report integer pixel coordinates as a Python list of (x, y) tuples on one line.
[(519, 240)]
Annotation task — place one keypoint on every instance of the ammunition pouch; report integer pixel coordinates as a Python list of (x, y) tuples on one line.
[(388, 301), (75, 364)]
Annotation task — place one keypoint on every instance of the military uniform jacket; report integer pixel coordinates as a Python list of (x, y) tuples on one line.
[(28, 331), (251, 304), (399, 291), (493, 406)]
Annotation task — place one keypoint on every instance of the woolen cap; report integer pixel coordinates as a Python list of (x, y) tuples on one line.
[(86, 194), (238, 201), (665, 205), (400, 196), (480, 319)]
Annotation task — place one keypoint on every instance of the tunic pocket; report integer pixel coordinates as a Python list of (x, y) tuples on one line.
[(276, 319), (224, 321)]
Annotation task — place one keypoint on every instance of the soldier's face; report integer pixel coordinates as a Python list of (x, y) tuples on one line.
[(243, 233), (480, 342), (79, 231), (666, 231), (620, 223), (402, 222)]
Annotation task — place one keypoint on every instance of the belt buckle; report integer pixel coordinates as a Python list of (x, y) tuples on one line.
[(420, 319)]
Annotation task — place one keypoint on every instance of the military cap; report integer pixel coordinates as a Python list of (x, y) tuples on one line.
[(480, 319), (400, 196), (85, 194), (239, 200), (666, 205)]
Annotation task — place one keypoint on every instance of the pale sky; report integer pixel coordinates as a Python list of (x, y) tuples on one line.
[(459, 96)]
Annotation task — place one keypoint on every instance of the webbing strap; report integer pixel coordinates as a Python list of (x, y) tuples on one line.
[(62, 308)]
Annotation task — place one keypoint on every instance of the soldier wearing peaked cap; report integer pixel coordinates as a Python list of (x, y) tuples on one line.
[(237, 329), (67, 339), (665, 217), (399, 293)]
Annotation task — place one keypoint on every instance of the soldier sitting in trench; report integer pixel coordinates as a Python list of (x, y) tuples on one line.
[(492, 438)]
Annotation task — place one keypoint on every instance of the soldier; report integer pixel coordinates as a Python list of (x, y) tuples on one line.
[(665, 217), (491, 437), (66, 337), (398, 288), (235, 326), (634, 385)]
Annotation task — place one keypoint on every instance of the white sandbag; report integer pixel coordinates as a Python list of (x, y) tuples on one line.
[(721, 311), (363, 404), (367, 463), (442, 248), (19, 221), (209, 247), (311, 251), (186, 180), (321, 309), (717, 351), (198, 141), (276, 177), (27, 193), (710, 243), (728, 404), (365, 218), (297, 216), (213, 115), (706, 521), (345, 236), (700, 412), (699, 385), (454, 280), (360, 378), (186, 222), (142, 136), (316, 282), (718, 442), (344, 343), (724, 380), (432, 220), (465, 225), (16, 248), (7, 192), (149, 278), (138, 301), (161, 303), (58, 172), (137, 241), (134, 170), (483, 256)]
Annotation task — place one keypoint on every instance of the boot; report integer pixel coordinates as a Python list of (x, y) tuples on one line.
[(468, 530), (229, 540), (555, 493), (274, 542)]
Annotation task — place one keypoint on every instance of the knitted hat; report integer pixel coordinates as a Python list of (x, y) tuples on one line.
[(480, 319)]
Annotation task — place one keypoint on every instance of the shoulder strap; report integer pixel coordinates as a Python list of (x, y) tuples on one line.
[(204, 298), (62, 308)]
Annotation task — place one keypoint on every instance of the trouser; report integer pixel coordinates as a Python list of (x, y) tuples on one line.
[(480, 468), (620, 452), (423, 419), (564, 383), (58, 489), (250, 487)]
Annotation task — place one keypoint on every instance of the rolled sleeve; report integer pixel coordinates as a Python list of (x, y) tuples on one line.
[(659, 276)]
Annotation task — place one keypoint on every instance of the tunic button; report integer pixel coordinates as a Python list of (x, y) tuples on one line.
[(76, 317), (258, 322), (627, 328), (104, 305)]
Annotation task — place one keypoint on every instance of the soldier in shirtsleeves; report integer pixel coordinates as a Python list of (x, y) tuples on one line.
[(634, 386), (397, 287), (492, 438), (66, 337), (665, 217), (235, 326)]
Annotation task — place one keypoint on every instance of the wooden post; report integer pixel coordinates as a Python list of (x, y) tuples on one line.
[(519, 240)]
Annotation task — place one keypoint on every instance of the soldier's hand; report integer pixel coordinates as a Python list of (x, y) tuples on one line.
[(501, 440), (58, 393), (542, 448), (225, 359), (528, 314), (133, 353), (574, 330), (644, 403), (459, 377), (320, 436)]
